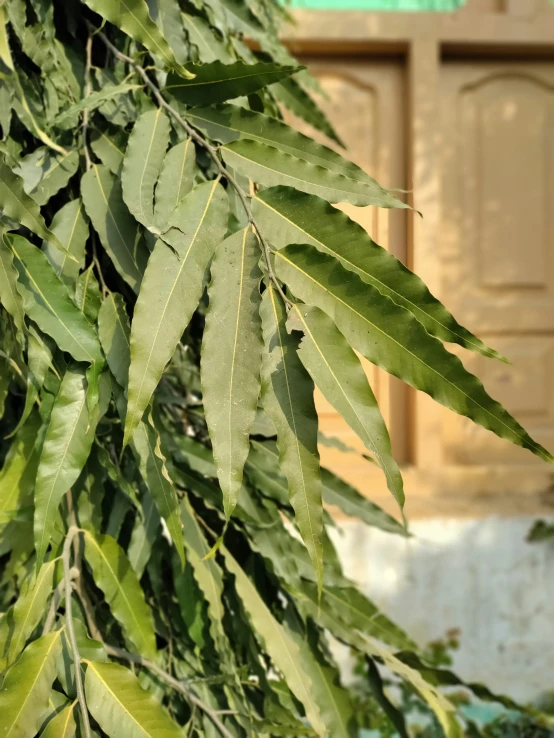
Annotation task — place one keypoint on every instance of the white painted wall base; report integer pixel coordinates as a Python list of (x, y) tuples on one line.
[(476, 575)]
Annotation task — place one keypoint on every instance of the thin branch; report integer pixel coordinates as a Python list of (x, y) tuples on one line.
[(120, 653), (87, 93), (193, 133), (56, 599), (66, 556)]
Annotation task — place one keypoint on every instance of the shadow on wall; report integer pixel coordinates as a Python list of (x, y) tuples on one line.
[(480, 576)]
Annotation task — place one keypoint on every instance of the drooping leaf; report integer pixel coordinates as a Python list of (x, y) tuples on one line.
[(5, 53), (62, 725), (171, 290), (16, 204), (393, 713), (9, 295), (290, 93), (338, 373), (167, 15), (95, 100), (116, 227), (231, 357), (133, 18), (176, 181), (144, 533), (272, 165), (287, 395), (147, 446), (210, 46), (67, 445), (114, 333), (142, 164), (47, 302), (228, 123), (278, 643), (45, 172), (390, 337), (292, 217), (331, 697), (216, 82), (114, 575), (122, 707), (25, 614), (71, 227), (27, 685)]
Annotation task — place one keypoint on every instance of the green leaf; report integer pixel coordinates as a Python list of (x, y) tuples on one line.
[(17, 476), (114, 575), (287, 394), (122, 707), (337, 492), (228, 123), (5, 53), (339, 374), (24, 694), (330, 696), (114, 224), (133, 18), (231, 357), (393, 713), (211, 47), (70, 225), (390, 337), (171, 290), (87, 294), (144, 534), (147, 446), (62, 725), (45, 172), (143, 162), (9, 295), (109, 144), (114, 332), (66, 448), (350, 616), (167, 15), (293, 96), (292, 217), (216, 82), (16, 204), (95, 100), (176, 181), (23, 617), (272, 165), (282, 649), (46, 301)]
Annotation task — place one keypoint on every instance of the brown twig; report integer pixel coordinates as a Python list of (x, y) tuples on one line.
[(87, 93), (193, 133)]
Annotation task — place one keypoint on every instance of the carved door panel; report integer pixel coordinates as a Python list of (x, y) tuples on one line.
[(366, 106), (497, 249)]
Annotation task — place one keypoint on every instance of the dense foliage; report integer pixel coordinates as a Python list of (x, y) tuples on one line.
[(173, 281)]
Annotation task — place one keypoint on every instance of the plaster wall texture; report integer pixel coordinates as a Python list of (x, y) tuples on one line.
[(480, 576)]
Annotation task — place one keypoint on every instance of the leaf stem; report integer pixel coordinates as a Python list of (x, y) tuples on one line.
[(195, 136), (67, 573)]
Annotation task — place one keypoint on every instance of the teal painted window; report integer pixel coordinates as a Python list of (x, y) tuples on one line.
[(443, 6)]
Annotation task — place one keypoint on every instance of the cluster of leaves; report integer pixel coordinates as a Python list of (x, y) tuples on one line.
[(160, 492)]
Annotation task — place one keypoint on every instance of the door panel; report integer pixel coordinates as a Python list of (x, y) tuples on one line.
[(366, 106), (497, 254)]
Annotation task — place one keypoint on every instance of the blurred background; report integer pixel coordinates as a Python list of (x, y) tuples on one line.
[(453, 102)]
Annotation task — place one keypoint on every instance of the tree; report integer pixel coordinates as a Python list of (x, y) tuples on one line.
[(159, 425)]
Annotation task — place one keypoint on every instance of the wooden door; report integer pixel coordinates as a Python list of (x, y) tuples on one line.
[(365, 103), (497, 244)]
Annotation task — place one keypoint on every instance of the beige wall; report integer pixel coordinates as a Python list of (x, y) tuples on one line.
[(458, 109)]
